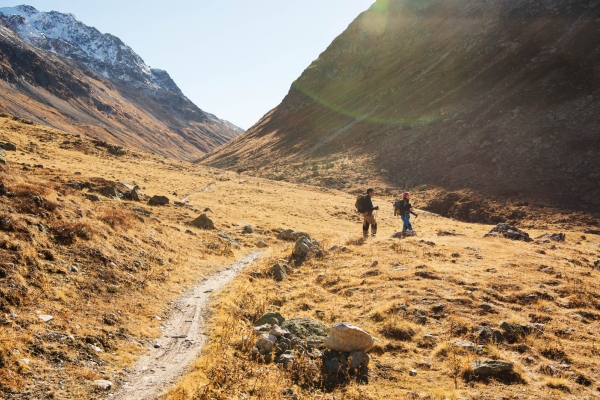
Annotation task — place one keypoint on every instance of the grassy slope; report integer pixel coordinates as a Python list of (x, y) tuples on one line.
[(460, 94), (497, 272)]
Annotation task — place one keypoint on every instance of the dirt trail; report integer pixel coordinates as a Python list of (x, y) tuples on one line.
[(182, 339)]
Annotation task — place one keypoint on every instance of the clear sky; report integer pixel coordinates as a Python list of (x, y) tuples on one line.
[(233, 58)]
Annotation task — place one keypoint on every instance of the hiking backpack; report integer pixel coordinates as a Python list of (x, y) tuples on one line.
[(397, 207), (360, 203)]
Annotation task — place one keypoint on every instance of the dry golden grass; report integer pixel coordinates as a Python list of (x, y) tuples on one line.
[(550, 283)]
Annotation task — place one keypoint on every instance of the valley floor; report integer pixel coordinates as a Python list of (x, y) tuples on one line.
[(415, 294)]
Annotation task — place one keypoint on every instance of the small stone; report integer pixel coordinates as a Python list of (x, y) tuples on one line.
[(413, 372), (278, 332), (95, 348), (286, 359), (45, 318), (374, 263), (291, 235), (103, 385), (261, 244), (74, 269), (248, 229), (92, 197), (279, 273), (157, 346)]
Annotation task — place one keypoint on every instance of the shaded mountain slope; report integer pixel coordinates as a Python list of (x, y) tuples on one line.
[(57, 71), (496, 96)]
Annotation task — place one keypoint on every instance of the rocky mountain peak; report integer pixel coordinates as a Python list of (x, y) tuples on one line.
[(106, 54)]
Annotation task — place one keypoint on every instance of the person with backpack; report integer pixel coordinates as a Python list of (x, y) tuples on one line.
[(404, 208), (364, 205)]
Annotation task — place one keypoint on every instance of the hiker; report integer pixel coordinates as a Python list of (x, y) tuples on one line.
[(367, 213), (405, 209)]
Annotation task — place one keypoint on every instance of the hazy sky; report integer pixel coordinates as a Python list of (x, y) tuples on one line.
[(233, 58)]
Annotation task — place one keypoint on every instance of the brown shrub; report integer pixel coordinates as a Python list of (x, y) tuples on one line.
[(67, 232), (117, 218)]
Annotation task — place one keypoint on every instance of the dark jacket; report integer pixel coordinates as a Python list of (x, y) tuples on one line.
[(405, 206), (368, 204)]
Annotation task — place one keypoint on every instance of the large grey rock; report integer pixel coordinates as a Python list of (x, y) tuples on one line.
[(491, 367), (272, 318), (158, 201), (345, 337), (102, 385), (203, 222), (291, 235), (305, 327), (302, 247)]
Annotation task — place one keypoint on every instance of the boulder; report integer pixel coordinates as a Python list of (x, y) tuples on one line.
[(109, 191), (286, 359), (305, 327), (158, 201), (265, 344), (8, 146), (92, 197), (272, 318), (203, 222), (291, 235), (486, 335), (344, 337), (509, 232), (491, 367), (302, 247), (136, 194), (279, 273)]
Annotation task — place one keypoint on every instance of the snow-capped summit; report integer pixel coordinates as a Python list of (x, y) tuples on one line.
[(65, 35)]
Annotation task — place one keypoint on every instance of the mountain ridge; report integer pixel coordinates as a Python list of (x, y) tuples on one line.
[(495, 96), (92, 83)]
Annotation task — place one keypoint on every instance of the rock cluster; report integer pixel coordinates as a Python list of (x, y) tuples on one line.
[(509, 232), (341, 348)]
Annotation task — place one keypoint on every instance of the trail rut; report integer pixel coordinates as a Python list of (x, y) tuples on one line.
[(183, 338)]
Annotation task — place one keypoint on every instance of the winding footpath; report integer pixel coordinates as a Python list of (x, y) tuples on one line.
[(183, 338)]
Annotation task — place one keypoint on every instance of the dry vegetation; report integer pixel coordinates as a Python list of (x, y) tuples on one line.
[(455, 282)]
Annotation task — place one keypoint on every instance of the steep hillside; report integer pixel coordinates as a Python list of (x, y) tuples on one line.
[(497, 96), (57, 71)]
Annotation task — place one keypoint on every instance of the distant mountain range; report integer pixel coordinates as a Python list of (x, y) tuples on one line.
[(500, 96), (58, 71)]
